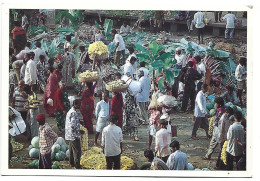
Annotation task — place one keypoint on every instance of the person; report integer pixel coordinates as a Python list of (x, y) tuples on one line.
[(58, 71), (200, 112), (39, 51), (162, 141), (108, 71), (219, 103), (191, 75), (99, 36), (230, 95), (12, 83), (156, 163), (84, 60), (120, 47), (158, 20), (22, 70), (129, 66), (19, 39), (33, 111), (117, 106), (72, 134), (25, 22), (68, 70), (230, 26), (190, 21), (218, 15), (47, 137), (241, 164), (182, 15), (30, 76), (101, 113), (221, 133), (100, 82), (112, 139), (235, 132), (145, 70), (41, 70), (181, 59), (240, 75), (125, 28), (17, 125), (17, 65), (50, 91), (142, 98), (201, 68), (87, 106), (131, 54), (20, 55), (61, 105), (68, 45), (199, 20), (177, 160)]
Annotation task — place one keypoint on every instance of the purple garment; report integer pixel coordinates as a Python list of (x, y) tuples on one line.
[(45, 161)]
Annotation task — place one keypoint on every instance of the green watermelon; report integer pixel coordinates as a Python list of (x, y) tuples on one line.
[(36, 164), (234, 108), (32, 164), (212, 112), (239, 109), (60, 156), (228, 104), (55, 148), (34, 153), (52, 156), (56, 163), (209, 106), (35, 142), (63, 148), (30, 147), (54, 167)]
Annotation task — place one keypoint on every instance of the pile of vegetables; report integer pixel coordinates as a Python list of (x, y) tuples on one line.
[(16, 146), (33, 149), (88, 76), (98, 50), (84, 139), (224, 153), (34, 164), (116, 86), (211, 121)]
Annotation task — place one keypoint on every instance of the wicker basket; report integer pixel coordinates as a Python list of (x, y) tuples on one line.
[(121, 88), (88, 79)]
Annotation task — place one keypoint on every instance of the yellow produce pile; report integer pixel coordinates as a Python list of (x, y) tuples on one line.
[(88, 76), (95, 159), (16, 146), (98, 50), (210, 131), (116, 86), (224, 153), (84, 139)]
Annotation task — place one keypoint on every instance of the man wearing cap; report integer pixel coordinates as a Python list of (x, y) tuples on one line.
[(47, 137), (112, 138), (162, 141), (177, 160), (181, 61)]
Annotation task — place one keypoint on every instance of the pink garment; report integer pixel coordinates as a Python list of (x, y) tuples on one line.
[(154, 116), (194, 62)]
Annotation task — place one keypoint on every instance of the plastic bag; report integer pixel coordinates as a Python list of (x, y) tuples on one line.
[(50, 102)]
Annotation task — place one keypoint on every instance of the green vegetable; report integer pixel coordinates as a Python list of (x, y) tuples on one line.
[(63, 148), (60, 156), (32, 164), (34, 153), (30, 147), (35, 142), (228, 104), (56, 163), (36, 164), (212, 112), (54, 167), (209, 106), (52, 156), (55, 148), (234, 108), (60, 141)]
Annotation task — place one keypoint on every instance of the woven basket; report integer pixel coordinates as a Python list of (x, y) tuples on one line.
[(112, 88), (88, 79)]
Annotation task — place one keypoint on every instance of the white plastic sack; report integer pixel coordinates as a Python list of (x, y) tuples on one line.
[(167, 100), (134, 86), (18, 124), (50, 102)]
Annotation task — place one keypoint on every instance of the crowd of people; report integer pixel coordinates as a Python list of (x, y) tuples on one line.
[(119, 113)]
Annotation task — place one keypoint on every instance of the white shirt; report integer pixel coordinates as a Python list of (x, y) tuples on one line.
[(200, 105), (230, 18), (102, 109), (129, 68), (126, 29), (222, 129), (146, 71), (119, 38), (38, 52), (201, 68), (111, 138), (30, 76), (235, 131), (24, 21), (177, 161), (240, 73), (162, 142), (199, 20), (143, 95), (17, 124), (180, 60), (20, 55)]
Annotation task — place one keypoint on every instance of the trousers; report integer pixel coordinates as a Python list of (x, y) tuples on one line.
[(75, 153), (113, 162), (200, 121)]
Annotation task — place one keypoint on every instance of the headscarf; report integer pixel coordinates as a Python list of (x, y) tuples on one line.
[(40, 118)]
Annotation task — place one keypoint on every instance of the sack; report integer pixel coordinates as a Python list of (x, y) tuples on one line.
[(50, 102)]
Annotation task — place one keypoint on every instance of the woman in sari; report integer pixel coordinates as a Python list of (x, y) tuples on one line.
[(50, 91), (62, 105), (87, 106), (117, 105)]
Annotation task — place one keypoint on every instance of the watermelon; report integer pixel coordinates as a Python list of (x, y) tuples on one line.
[(205, 169), (32, 164), (60, 141), (54, 167), (60, 156), (63, 148), (207, 111), (55, 148), (228, 104), (234, 108), (34, 153), (67, 154), (197, 169), (36, 164), (209, 106), (239, 109), (52, 156), (35, 142), (30, 147), (212, 112), (190, 166), (56, 163)]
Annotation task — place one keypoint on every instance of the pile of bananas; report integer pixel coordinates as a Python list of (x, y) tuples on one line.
[(224, 153), (16, 146), (116, 86), (88, 76), (210, 131), (96, 160), (98, 50), (84, 139)]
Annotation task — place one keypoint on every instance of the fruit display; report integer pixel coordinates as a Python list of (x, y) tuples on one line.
[(88, 76), (211, 121), (16, 146), (116, 86), (224, 153), (98, 51)]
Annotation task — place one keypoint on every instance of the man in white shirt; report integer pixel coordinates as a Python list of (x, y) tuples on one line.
[(181, 60), (235, 132), (20, 55), (25, 22), (199, 20), (142, 67), (112, 138), (142, 98), (120, 47), (201, 68), (177, 160), (230, 26), (131, 54), (30, 76), (129, 66), (125, 29), (38, 51), (200, 112), (240, 75), (162, 141), (101, 113)]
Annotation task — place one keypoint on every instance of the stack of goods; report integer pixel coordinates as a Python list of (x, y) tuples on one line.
[(98, 51), (224, 153), (16, 146), (88, 76), (116, 86)]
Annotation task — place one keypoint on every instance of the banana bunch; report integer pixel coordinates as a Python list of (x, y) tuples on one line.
[(224, 153), (98, 50), (88, 73), (16, 146), (116, 83), (210, 131), (84, 139)]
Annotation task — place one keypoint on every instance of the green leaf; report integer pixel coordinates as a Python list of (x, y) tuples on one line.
[(158, 64), (169, 76), (143, 56), (164, 56), (108, 24), (59, 15), (97, 25), (168, 61), (160, 83), (64, 29), (154, 48), (142, 49)]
